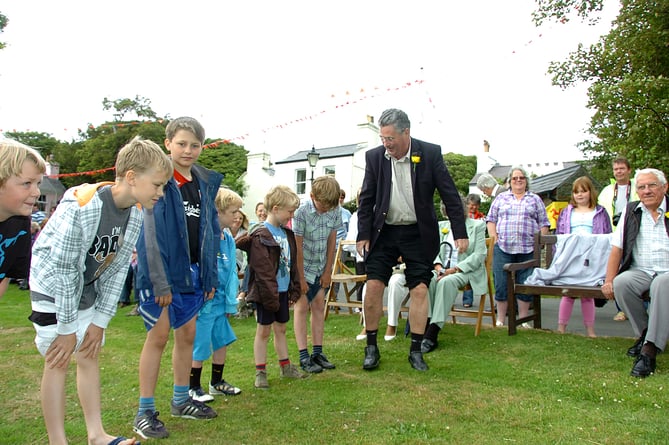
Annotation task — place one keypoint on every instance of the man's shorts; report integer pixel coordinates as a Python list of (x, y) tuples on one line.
[(265, 317), (182, 309), (313, 289), (45, 335)]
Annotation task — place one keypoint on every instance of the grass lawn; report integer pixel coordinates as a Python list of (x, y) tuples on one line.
[(536, 387)]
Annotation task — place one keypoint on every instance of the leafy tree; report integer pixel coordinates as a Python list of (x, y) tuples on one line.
[(462, 169), (3, 22), (140, 106), (227, 158), (628, 73)]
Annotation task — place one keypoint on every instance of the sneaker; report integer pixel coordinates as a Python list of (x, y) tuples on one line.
[(223, 388), (322, 361), (199, 394), (499, 324), (308, 365), (525, 326), (290, 371), (148, 426), (192, 409), (261, 380)]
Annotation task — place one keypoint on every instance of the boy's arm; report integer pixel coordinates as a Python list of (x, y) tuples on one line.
[(299, 254), (161, 286), (326, 276), (4, 284)]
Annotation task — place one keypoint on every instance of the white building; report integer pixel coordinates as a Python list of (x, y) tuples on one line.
[(345, 162)]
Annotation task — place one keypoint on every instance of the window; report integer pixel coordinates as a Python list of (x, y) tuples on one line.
[(329, 170), (300, 181)]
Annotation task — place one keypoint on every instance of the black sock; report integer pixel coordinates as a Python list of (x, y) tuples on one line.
[(371, 337), (649, 349), (432, 332), (416, 340), (195, 374), (216, 373)]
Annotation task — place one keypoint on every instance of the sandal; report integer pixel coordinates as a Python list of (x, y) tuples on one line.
[(620, 316)]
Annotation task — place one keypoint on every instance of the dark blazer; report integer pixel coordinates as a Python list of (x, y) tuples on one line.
[(428, 175)]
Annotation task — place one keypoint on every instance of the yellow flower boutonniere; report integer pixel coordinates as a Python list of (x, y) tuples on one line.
[(666, 214), (444, 230), (415, 159)]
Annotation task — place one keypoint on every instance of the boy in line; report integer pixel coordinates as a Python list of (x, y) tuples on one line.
[(213, 330), (316, 224), (273, 280), (21, 170), (176, 273), (79, 266)]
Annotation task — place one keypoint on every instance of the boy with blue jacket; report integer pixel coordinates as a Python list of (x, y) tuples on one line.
[(176, 274)]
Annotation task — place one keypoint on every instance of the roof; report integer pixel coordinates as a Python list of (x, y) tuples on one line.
[(497, 172), (553, 181), (340, 151), (51, 186)]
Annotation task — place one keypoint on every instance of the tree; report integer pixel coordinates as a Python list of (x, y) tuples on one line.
[(628, 73), (462, 169), (229, 159), (141, 106), (3, 22)]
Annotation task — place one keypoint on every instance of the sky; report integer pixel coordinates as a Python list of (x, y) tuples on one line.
[(281, 76)]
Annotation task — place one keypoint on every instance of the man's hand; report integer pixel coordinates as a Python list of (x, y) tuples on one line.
[(462, 245), (363, 248), (59, 353), (326, 279), (607, 290), (209, 295), (92, 343)]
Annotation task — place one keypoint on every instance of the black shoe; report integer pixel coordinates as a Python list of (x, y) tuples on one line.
[(24, 285), (417, 362), (308, 365), (322, 361), (372, 357), (428, 345), (643, 366), (635, 350)]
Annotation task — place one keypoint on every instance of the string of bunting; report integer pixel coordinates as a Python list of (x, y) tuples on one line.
[(376, 92)]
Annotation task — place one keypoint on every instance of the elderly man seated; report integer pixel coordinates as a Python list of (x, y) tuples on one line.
[(638, 264), (452, 272)]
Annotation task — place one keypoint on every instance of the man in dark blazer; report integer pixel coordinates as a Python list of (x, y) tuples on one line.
[(396, 218)]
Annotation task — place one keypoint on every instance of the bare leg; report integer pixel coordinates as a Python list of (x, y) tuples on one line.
[(182, 354), (280, 342), (502, 307), (260, 343), (53, 403), (88, 387), (152, 352), (374, 304), (418, 309), (300, 312), (318, 318)]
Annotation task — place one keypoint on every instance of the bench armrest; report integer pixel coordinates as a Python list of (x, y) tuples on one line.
[(510, 267)]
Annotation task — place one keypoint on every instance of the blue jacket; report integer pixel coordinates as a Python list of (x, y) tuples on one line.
[(165, 236)]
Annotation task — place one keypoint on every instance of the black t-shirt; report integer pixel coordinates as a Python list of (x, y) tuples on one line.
[(15, 247), (190, 192)]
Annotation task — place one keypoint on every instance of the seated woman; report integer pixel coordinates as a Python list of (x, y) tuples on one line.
[(449, 278)]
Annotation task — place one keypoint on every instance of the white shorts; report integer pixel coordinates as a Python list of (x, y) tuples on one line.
[(47, 334)]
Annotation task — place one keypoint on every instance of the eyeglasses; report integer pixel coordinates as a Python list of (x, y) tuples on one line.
[(651, 186), (518, 178)]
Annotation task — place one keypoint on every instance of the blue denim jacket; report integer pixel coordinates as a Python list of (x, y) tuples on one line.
[(165, 236)]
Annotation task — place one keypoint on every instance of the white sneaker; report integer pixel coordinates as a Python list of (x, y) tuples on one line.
[(361, 337), (525, 326), (199, 395), (499, 324)]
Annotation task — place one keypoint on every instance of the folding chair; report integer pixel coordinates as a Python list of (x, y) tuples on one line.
[(341, 273), (481, 311)]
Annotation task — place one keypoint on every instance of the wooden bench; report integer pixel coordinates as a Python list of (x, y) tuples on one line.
[(543, 248)]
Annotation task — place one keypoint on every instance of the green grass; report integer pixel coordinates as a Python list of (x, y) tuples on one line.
[(532, 388)]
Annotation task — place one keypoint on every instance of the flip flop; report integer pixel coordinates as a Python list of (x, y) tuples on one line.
[(120, 439)]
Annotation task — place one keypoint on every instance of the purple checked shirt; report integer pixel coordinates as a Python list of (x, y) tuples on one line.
[(517, 220)]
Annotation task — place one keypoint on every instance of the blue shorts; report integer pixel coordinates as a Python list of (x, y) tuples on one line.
[(182, 309), (265, 317), (212, 331), (313, 289)]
